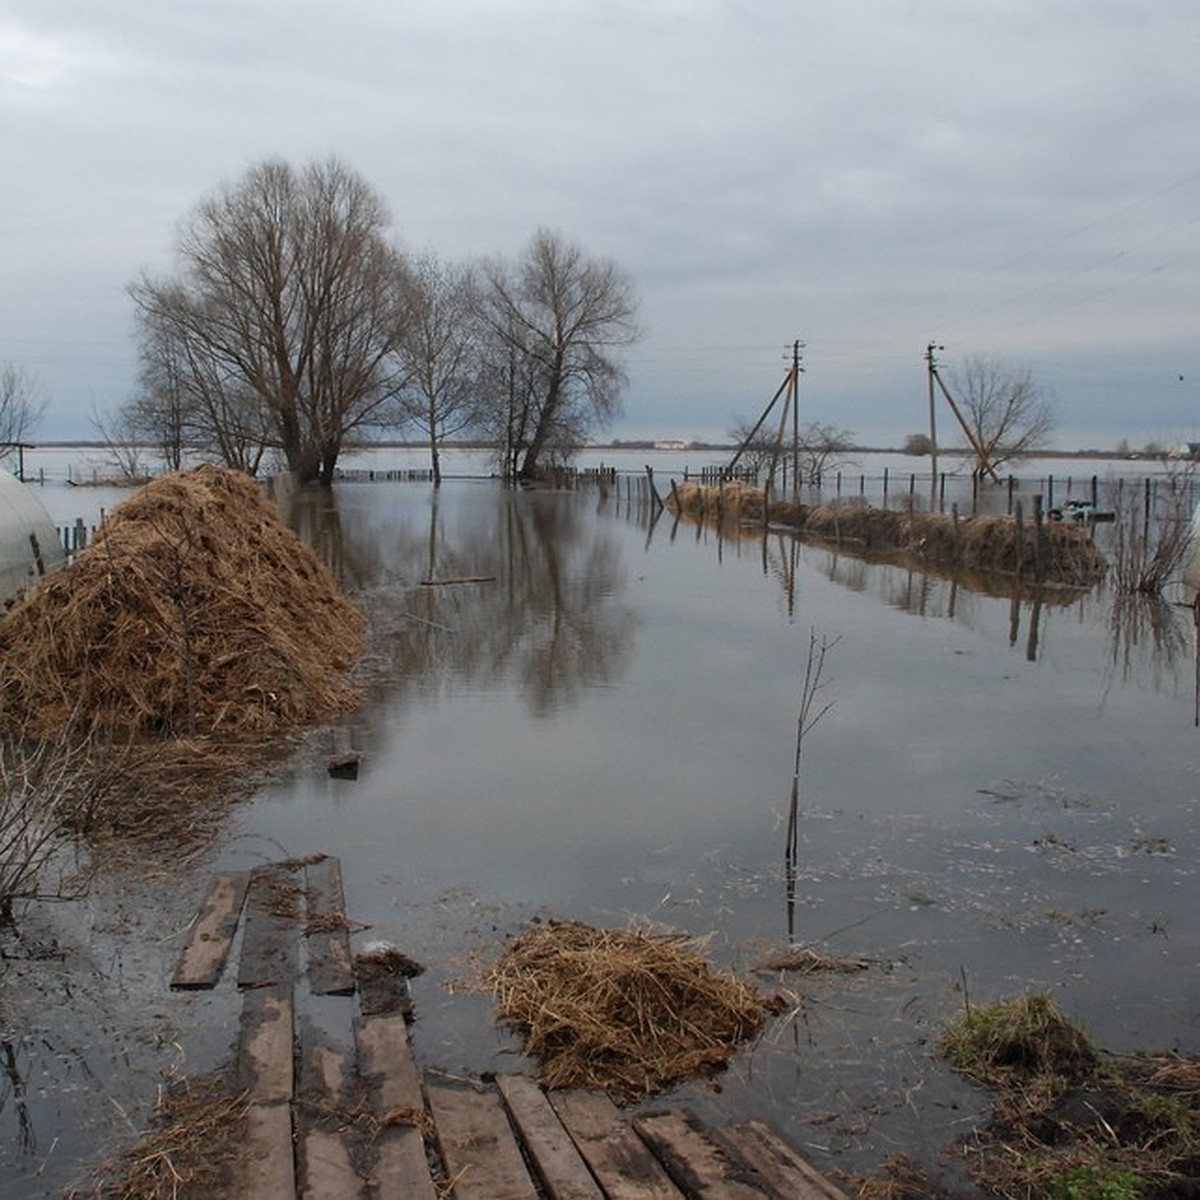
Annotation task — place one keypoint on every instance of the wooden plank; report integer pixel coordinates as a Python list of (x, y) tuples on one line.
[(563, 1173), (327, 1171), (790, 1176), (270, 941), (401, 1168), (701, 1169), (203, 958), (481, 1153), (330, 972), (265, 1044), (619, 1159), (267, 1168), (385, 1064)]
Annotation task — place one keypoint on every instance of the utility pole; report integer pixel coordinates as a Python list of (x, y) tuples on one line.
[(797, 359), (931, 362)]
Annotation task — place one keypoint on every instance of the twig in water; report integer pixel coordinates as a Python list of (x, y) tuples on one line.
[(810, 714)]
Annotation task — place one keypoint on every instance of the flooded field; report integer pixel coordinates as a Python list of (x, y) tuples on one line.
[(578, 712)]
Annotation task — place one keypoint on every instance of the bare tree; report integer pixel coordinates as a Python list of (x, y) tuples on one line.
[(820, 448), (439, 352), (283, 314), (189, 402), (1006, 412), (557, 320), (126, 452), (21, 406)]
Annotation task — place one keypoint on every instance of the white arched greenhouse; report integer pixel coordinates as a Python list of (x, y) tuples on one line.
[(29, 542)]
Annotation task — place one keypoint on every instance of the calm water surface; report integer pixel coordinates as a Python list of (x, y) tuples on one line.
[(604, 729), (597, 721)]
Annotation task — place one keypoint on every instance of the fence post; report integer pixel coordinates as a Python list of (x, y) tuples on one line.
[(1037, 538)]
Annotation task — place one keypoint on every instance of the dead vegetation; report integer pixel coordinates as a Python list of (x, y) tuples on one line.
[(195, 610), (1070, 1123), (198, 1138), (625, 1012), (1051, 552), (188, 643)]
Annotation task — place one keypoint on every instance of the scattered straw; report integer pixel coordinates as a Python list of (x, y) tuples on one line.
[(199, 1136), (803, 960), (625, 1012)]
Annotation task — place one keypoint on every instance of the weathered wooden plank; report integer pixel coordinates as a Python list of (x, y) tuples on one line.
[(560, 1167), (700, 1168), (330, 972), (270, 941), (265, 1044), (203, 958), (267, 1169), (784, 1169), (327, 1171), (618, 1158), (385, 1062), (481, 1153), (401, 1168)]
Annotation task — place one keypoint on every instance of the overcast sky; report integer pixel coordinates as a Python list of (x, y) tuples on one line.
[(1019, 178)]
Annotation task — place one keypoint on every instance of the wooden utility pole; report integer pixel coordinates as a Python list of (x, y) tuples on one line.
[(931, 360), (797, 346), (790, 390), (983, 461)]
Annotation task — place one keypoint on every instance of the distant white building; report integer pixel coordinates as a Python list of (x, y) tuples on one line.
[(673, 444), (29, 541)]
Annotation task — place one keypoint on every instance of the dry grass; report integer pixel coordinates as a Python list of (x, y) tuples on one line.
[(629, 1013), (190, 642), (804, 960), (1065, 554), (199, 1137), (194, 612)]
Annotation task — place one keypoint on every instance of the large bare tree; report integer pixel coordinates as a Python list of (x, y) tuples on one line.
[(1006, 412), (282, 318), (439, 352), (557, 320)]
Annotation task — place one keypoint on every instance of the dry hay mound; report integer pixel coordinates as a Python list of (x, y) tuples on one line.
[(874, 528), (733, 500), (629, 1013), (194, 611), (999, 543)]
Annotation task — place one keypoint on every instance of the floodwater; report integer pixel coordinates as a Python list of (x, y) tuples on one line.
[(583, 713)]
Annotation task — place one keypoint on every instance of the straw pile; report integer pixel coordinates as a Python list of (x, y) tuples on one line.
[(625, 1012), (195, 611), (1061, 554)]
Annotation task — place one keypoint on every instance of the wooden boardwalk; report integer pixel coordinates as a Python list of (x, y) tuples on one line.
[(431, 1137)]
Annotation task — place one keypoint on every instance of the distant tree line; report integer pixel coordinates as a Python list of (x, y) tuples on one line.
[(292, 322)]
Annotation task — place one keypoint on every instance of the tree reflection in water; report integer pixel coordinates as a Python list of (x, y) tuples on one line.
[(516, 587)]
